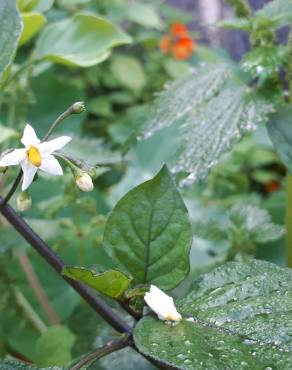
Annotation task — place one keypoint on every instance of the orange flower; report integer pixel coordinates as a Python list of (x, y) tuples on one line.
[(272, 186), (179, 30), (165, 44), (183, 48)]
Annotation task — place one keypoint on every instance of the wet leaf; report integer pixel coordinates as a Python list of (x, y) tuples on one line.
[(148, 233), (83, 40), (212, 112), (239, 317), (17, 365), (112, 283)]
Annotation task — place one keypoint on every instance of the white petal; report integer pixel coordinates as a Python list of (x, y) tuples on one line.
[(55, 144), (13, 158), (29, 136), (161, 304), (28, 174), (51, 165)]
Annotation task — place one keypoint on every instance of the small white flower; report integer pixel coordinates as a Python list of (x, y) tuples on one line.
[(162, 304), (84, 182), (36, 155)]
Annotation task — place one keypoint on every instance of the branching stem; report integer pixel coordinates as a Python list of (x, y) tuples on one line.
[(110, 347)]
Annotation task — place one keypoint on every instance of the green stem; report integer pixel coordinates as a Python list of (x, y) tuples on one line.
[(289, 221), (19, 71), (71, 110)]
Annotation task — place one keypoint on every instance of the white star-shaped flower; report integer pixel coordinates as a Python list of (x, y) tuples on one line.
[(162, 304), (36, 155)]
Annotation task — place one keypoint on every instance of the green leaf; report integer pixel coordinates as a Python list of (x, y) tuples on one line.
[(235, 24), (83, 40), (100, 106), (212, 112), (129, 71), (144, 14), (264, 62), (10, 31), (148, 233), (32, 23), (279, 11), (27, 5), (239, 318), (54, 347), (176, 68), (44, 5), (17, 365), (254, 222), (112, 283), (280, 131)]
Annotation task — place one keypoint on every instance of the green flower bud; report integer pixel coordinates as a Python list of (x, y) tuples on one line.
[(24, 201), (78, 107)]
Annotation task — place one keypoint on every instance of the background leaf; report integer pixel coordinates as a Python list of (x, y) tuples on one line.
[(32, 23), (112, 282), (280, 131), (7, 133), (83, 40), (54, 347), (144, 14), (129, 72), (10, 31), (240, 318), (149, 234)]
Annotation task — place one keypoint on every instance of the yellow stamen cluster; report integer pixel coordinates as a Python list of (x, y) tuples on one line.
[(34, 156)]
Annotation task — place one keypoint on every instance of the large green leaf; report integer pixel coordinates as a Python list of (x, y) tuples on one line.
[(212, 112), (32, 22), (10, 31), (83, 40), (236, 317), (148, 233), (112, 283), (280, 131)]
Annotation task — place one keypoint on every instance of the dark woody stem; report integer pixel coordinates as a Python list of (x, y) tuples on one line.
[(57, 264)]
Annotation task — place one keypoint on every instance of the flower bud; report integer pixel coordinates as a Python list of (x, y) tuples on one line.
[(84, 182), (23, 201), (78, 107)]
